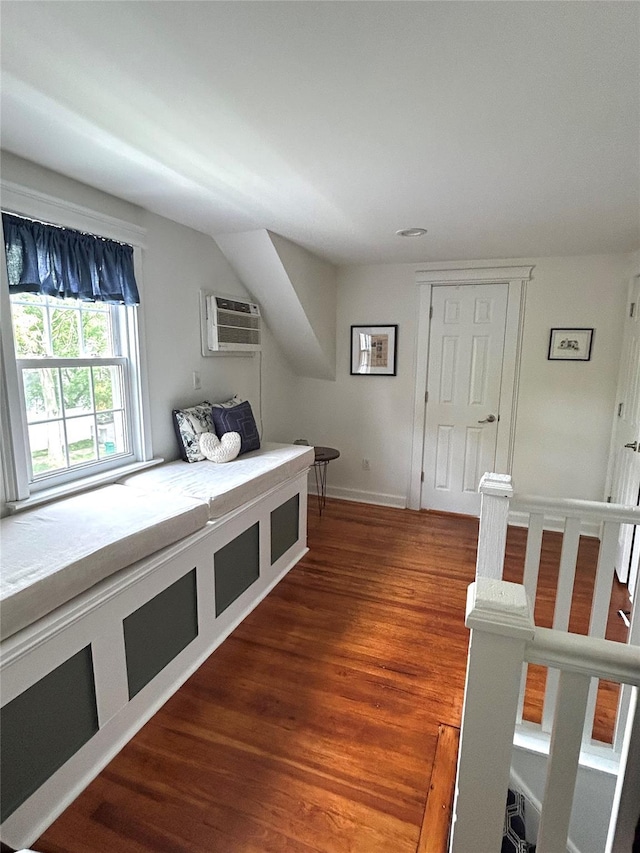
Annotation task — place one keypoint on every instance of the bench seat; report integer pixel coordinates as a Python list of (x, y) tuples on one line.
[(226, 487), (55, 552)]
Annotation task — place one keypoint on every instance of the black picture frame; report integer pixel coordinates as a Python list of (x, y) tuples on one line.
[(570, 344), (374, 350)]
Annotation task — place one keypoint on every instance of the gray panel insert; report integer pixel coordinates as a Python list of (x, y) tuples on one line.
[(236, 567), (159, 630), (285, 527), (44, 726)]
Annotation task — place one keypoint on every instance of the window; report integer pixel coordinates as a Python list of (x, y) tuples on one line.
[(73, 371), (73, 411)]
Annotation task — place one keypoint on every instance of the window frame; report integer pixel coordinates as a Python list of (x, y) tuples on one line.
[(122, 361), (19, 491)]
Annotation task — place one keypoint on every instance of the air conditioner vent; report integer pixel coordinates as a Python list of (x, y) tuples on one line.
[(231, 335), (242, 321)]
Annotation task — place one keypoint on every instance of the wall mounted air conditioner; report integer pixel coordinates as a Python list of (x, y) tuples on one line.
[(229, 324)]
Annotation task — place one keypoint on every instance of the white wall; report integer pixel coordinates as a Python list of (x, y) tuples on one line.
[(367, 416), (314, 281), (565, 409), (279, 399), (177, 262)]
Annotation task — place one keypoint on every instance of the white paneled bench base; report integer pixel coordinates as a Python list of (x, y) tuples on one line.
[(80, 681)]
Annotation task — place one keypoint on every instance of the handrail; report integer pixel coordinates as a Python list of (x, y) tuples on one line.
[(503, 636), (585, 655), (574, 508), (498, 502)]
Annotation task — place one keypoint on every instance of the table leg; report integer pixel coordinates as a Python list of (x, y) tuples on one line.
[(320, 469)]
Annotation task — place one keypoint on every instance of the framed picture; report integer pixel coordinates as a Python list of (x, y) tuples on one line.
[(373, 350), (570, 344)]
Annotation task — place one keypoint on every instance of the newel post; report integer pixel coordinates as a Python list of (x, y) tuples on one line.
[(501, 623), (496, 492)]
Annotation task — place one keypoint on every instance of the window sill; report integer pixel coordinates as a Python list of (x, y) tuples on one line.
[(84, 485)]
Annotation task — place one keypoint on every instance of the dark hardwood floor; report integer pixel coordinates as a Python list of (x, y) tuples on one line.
[(313, 728)]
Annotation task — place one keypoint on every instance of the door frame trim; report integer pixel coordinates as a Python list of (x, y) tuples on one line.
[(611, 460), (623, 573), (516, 279)]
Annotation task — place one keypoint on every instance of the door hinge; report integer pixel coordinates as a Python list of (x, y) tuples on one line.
[(431, 312), (609, 499), (632, 309), (620, 409), (422, 476), (426, 396)]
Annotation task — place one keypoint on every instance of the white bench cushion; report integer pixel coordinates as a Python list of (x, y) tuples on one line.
[(53, 553), (228, 486)]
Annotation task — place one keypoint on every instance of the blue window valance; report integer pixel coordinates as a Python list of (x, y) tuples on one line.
[(61, 262)]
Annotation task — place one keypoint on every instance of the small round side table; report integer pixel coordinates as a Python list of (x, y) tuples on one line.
[(324, 455)]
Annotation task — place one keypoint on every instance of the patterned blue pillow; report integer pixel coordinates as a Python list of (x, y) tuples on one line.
[(238, 419), (513, 840), (190, 423)]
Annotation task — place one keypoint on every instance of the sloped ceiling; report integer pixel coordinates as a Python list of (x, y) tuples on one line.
[(297, 295), (507, 129)]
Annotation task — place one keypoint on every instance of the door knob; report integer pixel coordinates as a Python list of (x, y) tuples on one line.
[(633, 445), (488, 420)]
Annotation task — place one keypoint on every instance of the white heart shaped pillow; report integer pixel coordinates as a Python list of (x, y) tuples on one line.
[(220, 449)]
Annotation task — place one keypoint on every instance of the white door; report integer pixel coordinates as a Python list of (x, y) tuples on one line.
[(466, 343), (626, 443)]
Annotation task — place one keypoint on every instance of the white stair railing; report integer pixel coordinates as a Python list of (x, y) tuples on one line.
[(503, 636), (498, 500)]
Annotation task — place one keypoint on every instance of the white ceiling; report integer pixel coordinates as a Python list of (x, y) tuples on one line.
[(508, 129)]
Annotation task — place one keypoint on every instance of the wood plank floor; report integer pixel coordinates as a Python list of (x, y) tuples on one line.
[(313, 728)]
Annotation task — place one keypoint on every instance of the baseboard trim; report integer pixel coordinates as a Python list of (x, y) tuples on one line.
[(517, 519), (555, 523), (359, 496)]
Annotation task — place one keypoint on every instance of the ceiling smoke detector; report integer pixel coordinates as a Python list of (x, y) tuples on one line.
[(411, 232)]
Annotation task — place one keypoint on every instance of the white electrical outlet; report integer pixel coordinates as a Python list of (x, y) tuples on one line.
[(197, 382), (366, 465)]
